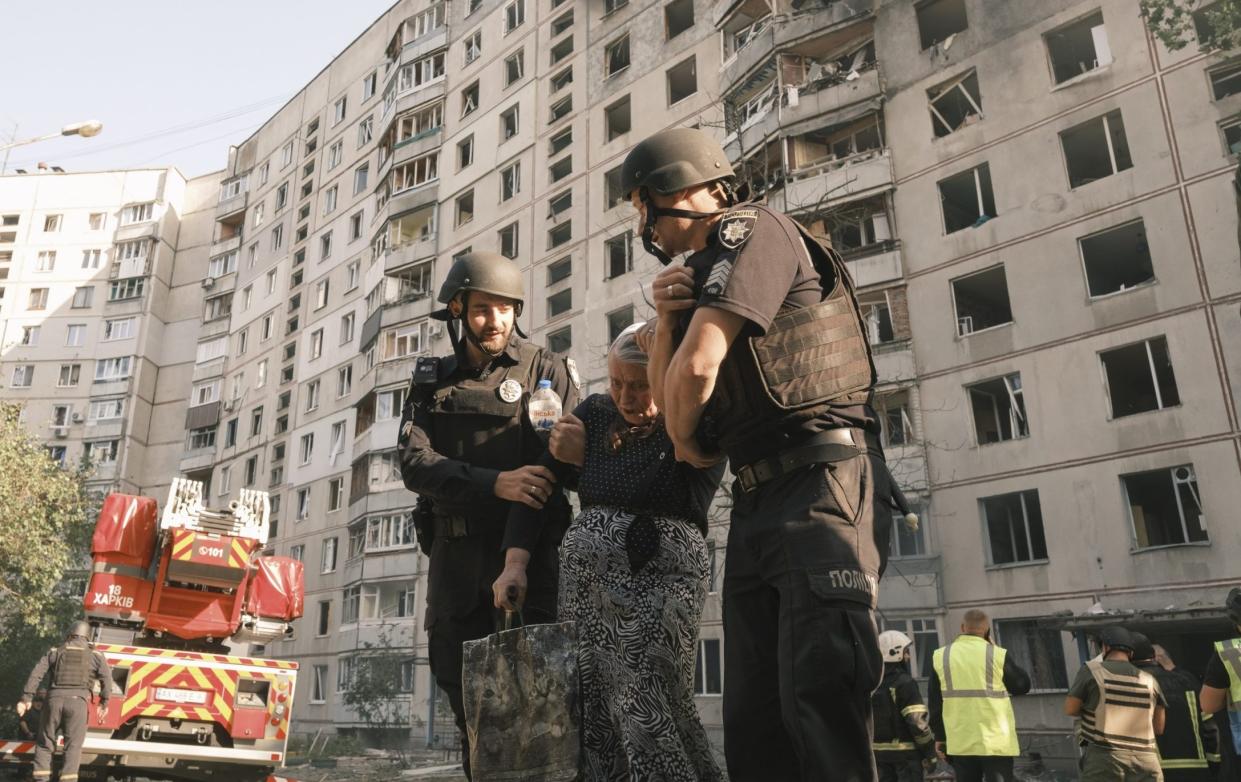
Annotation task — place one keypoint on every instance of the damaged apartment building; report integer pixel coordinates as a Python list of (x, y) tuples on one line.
[(1035, 200)]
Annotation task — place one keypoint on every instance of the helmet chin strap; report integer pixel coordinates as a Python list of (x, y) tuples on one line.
[(469, 334), (653, 213)]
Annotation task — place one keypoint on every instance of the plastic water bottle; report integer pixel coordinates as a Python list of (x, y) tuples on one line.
[(545, 408)]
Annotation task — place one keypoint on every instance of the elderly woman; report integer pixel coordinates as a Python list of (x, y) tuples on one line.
[(633, 574)]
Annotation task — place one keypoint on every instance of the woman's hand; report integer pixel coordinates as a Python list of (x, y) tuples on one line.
[(672, 291), (693, 454), (568, 440), (509, 590), (645, 336)]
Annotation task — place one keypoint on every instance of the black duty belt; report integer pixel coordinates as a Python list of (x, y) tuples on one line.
[(834, 445), (454, 526)]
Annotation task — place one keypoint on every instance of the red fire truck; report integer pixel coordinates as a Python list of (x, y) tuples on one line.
[(185, 588)]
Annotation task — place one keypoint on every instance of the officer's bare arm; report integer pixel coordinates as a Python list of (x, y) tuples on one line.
[(1212, 699), (1072, 706), (1160, 720), (692, 373)]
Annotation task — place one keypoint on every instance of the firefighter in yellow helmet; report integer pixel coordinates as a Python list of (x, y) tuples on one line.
[(1120, 711), (903, 742)]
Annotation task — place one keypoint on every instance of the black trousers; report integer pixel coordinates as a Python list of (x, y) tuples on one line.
[(64, 714), (899, 770), (460, 607), (977, 768), (801, 655)]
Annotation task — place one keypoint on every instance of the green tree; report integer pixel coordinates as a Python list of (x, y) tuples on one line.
[(376, 695), (1216, 24), (46, 518)]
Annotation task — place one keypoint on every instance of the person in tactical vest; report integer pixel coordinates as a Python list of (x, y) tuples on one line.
[(1221, 688), (1121, 711), (467, 446), (1189, 743), (74, 668), (759, 354), (969, 699), (904, 743)]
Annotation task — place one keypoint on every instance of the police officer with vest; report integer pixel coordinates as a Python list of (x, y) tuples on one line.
[(759, 354), (74, 667), (1121, 711), (969, 702), (1189, 742), (1221, 689), (904, 743), (467, 446)]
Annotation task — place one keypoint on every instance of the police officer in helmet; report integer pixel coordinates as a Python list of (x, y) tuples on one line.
[(904, 743), (759, 354), (1189, 744), (74, 667), (468, 448)]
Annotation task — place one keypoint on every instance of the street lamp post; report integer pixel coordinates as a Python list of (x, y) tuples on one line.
[(84, 129)]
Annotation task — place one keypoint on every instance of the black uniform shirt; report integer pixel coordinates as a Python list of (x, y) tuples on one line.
[(99, 672), (755, 265), (458, 433)]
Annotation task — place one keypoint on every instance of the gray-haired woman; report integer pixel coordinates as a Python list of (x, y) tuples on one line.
[(633, 575)]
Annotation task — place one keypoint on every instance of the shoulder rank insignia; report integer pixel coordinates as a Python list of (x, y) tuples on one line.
[(736, 227), (571, 365), (426, 369), (721, 271), (406, 428)]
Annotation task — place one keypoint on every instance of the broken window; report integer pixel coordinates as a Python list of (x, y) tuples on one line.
[(1140, 378), (908, 541), (1226, 80), (561, 80), (682, 81), (560, 109), (967, 199), (562, 23), (893, 409), (557, 206), (508, 240), (1165, 507), (510, 181), (999, 409), (509, 123), (939, 20), (981, 300), (752, 17), (877, 316), (955, 104), (1096, 149), (559, 235), (1014, 525), (618, 252), (616, 119), (1078, 47), (560, 270), (562, 50), (560, 169), (560, 341), (1232, 135), (514, 67), (469, 99), (1036, 649), (618, 321), (560, 303), (465, 208), (613, 194), (616, 56), (560, 142), (1117, 259), (859, 227), (678, 17)]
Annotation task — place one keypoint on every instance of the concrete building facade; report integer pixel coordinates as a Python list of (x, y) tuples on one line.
[(1035, 200)]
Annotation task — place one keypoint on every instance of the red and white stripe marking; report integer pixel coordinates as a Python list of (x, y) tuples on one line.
[(16, 747)]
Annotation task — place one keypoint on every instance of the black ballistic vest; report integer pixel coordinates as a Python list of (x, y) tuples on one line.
[(72, 668)]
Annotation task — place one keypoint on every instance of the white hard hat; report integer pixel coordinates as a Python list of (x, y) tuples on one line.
[(892, 645)]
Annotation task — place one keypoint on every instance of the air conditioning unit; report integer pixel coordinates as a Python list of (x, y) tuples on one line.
[(965, 325), (1183, 475), (77, 418), (229, 405), (60, 432), (435, 329), (208, 283)]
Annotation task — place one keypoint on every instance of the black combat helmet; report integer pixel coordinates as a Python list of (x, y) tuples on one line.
[(668, 162), (79, 629), (1143, 649), (486, 273), (1117, 637), (673, 160)]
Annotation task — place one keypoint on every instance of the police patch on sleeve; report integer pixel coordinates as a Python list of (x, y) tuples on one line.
[(736, 227), (571, 365), (510, 390), (721, 272)]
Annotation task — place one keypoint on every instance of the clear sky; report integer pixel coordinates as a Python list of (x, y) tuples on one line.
[(174, 82)]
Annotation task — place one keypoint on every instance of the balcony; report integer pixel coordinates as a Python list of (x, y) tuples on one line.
[(409, 253), (416, 96), (789, 32), (415, 146), (912, 583), (817, 187), (894, 361), (381, 436), (198, 459), (209, 369), (828, 95), (144, 230), (231, 207), (411, 199), (875, 268), (130, 267), (214, 328), (410, 307), (222, 246), (421, 47)]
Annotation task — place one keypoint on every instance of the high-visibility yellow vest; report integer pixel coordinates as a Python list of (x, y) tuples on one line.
[(978, 716), (1230, 653), (1124, 716)]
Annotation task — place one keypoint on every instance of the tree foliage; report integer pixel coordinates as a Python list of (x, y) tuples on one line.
[(375, 695), (1215, 24), (46, 518)]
